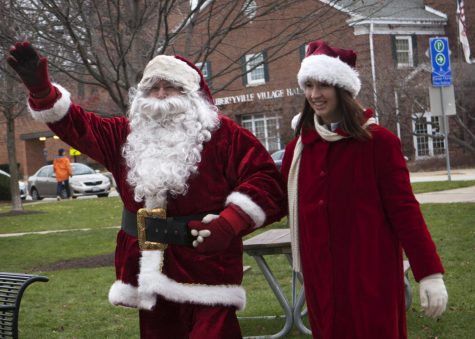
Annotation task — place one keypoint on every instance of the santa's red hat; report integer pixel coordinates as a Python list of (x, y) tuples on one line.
[(334, 66), (179, 71)]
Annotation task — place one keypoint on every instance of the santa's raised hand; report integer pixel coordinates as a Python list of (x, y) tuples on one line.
[(215, 232), (32, 69)]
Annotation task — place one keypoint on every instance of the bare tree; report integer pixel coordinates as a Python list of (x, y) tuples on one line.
[(406, 100), (108, 43), (12, 104)]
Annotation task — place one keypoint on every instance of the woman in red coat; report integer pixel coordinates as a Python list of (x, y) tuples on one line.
[(352, 210)]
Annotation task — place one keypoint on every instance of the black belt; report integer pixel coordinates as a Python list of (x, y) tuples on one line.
[(170, 230)]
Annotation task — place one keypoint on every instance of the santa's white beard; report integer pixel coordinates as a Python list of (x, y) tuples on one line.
[(164, 145)]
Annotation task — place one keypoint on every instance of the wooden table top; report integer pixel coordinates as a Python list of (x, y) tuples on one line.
[(275, 241)]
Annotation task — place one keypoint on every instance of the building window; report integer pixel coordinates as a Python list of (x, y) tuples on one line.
[(426, 146), (265, 126), (249, 8), (303, 51), (403, 51), (205, 70), (254, 69)]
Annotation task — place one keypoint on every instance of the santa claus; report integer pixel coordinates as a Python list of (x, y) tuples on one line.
[(189, 168)]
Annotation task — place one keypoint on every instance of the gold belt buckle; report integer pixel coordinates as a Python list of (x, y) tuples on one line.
[(147, 213)]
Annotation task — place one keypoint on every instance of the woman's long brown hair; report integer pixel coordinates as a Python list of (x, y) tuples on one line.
[(351, 111)]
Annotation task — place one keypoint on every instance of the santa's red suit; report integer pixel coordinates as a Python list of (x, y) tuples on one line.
[(181, 293)]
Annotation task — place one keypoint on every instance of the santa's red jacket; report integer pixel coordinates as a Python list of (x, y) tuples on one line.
[(235, 168)]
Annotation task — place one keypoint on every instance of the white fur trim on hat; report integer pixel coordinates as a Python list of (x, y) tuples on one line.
[(55, 113), (176, 71), (330, 70), (254, 211)]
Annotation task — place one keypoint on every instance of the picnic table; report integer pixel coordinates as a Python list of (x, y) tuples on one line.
[(277, 242)]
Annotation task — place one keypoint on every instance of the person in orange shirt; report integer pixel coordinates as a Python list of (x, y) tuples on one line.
[(62, 170)]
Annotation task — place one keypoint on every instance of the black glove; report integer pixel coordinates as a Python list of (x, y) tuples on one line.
[(31, 67)]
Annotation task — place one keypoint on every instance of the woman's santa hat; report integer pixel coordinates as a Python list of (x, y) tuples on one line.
[(334, 66), (179, 71)]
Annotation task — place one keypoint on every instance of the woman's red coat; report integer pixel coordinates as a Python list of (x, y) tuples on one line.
[(357, 212)]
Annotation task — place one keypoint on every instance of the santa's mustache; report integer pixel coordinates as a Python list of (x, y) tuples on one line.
[(160, 108)]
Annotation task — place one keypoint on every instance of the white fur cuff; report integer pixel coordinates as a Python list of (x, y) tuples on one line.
[(57, 112), (255, 212)]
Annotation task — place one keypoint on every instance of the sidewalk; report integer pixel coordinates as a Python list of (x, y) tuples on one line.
[(455, 174), (466, 194)]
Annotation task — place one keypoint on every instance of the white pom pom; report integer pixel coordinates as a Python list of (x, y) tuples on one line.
[(295, 121)]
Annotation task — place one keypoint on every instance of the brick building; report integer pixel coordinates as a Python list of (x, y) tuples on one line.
[(259, 87)]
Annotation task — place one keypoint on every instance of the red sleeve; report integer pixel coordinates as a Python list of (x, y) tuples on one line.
[(98, 137), (252, 173), (401, 207)]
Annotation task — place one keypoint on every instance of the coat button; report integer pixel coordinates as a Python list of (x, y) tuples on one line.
[(321, 202), (322, 173)]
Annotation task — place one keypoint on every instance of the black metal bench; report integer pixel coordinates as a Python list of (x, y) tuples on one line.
[(12, 286)]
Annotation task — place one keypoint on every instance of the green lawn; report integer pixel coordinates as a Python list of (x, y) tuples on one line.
[(73, 304), (433, 186)]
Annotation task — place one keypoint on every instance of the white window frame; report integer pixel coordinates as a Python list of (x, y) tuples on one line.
[(249, 8), (410, 52), (204, 70), (433, 150), (251, 59), (250, 121)]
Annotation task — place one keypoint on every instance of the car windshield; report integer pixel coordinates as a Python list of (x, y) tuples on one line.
[(79, 169)]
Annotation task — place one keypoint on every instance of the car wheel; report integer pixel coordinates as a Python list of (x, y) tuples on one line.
[(103, 195), (35, 195)]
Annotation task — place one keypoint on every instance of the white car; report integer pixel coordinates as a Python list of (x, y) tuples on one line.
[(21, 185), (277, 156), (84, 181)]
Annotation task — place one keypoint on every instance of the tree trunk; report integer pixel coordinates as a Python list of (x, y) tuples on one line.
[(12, 162), (9, 112)]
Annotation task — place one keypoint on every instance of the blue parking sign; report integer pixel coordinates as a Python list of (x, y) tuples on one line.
[(440, 60)]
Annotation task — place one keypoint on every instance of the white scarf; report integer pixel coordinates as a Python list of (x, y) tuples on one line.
[(292, 186)]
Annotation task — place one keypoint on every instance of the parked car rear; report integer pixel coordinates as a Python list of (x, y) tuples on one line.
[(21, 185), (84, 181)]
